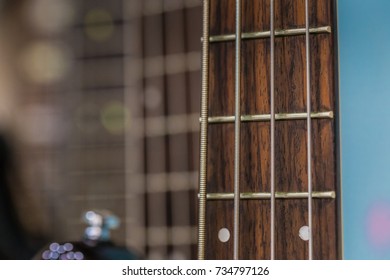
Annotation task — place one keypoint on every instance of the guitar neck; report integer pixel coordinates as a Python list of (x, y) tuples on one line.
[(269, 174)]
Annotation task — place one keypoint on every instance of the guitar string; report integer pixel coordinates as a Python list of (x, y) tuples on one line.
[(203, 134), (237, 129), (309, 146), (237, 142), (272, 101)]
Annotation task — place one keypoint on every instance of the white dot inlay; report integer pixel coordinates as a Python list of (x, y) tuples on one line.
[(224, 235), (304, 233)]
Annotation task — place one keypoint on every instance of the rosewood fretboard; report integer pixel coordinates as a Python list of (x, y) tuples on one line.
[(291, 178)]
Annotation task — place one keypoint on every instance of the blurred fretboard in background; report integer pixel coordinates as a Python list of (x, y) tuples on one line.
[(163, 76), (122, 111), (137, 122)]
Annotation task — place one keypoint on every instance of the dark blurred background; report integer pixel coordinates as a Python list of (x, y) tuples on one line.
[(99, 104)]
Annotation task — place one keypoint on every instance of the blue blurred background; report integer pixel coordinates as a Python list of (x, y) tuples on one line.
[(364, 42)]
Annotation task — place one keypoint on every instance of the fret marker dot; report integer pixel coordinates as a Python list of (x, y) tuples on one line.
[(304, 233), (224, 235)]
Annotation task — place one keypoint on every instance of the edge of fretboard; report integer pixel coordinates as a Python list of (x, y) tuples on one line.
[(267, 34)]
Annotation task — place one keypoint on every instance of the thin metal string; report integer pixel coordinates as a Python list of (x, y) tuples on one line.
[(272, 84), (203, 133), (237, 141), (309, 146)]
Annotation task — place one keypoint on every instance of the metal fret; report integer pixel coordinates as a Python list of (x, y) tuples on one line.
[(171, 64), (267, 117), (181, 235), (171, 182), (98, 197), (267, 34), (266, 195), (157, 66), (168, 125), (152, 7)]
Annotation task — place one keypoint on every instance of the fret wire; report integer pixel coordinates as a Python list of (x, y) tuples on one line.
[(171, 64), (169, 125), (185, 181), (272, 116), (203, 133), (267, 34), (237, 124), (96, 172), (309, 146), (99, 197), (153, 9), (278, 195), (267, 117), (164, 125), (182, 235)]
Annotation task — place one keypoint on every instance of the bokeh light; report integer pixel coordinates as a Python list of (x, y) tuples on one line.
[(61, 252), (45, 62), (99, 25), (115, 117)]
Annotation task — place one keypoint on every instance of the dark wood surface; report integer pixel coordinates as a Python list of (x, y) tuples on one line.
[(290, 136)]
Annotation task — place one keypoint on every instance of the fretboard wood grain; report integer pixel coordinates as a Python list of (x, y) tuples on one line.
[(290, 135)]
